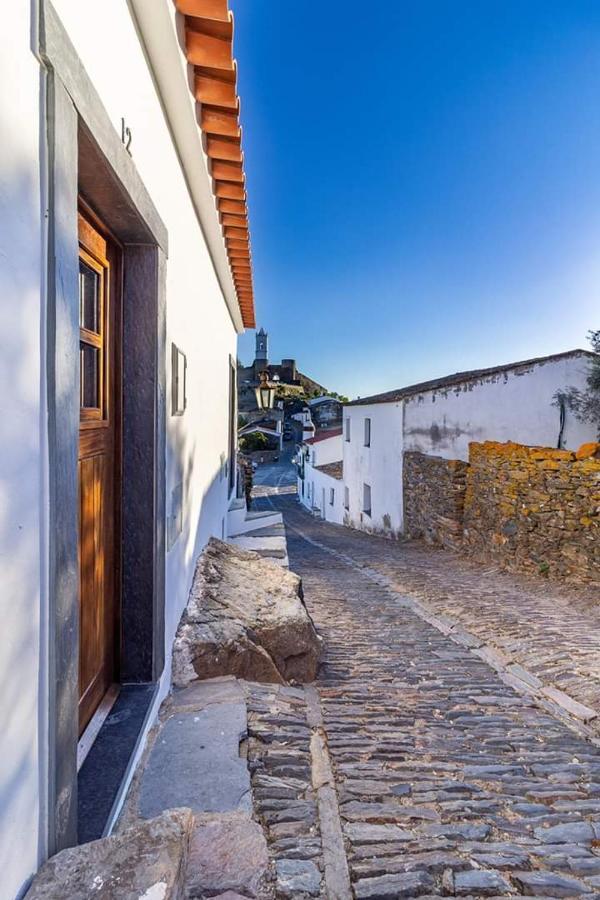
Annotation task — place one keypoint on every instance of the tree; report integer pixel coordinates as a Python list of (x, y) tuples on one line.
[(256, 440), (585, 404)]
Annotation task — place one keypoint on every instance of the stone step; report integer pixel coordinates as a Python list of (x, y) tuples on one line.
[(265, 546), (251, 520), (268, 531), (195, 762)]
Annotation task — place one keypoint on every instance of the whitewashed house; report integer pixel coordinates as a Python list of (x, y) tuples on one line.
[(305, 419), (125, 279), (441, 417), (320, 484)]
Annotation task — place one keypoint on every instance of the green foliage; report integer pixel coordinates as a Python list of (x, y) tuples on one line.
[(585, 404), (252, 442)]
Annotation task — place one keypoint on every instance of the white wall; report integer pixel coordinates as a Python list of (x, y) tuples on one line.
[(197, 321), (510, 406), (23, 495), (326, 451), (315, 482), (197, 318), (379, 466)]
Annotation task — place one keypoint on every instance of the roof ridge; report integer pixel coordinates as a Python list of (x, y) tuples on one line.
[(460, 377)]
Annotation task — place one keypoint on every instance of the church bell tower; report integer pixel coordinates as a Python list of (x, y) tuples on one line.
[(261, 359)]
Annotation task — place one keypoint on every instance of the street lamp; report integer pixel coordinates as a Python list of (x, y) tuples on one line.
[(265, 392)]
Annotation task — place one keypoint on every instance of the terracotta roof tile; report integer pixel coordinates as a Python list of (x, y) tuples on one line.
[(324, 436), (209, 50), (334, 469)]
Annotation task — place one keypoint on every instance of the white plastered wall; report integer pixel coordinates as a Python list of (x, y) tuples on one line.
[(326, 451), (379, 466), (318, 485), (23, 477), (198, 321), (509, 406)]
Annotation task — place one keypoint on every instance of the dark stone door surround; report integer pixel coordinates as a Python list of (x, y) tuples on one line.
[(85, 157)]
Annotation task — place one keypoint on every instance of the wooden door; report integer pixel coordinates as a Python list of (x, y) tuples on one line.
[(99, 352)]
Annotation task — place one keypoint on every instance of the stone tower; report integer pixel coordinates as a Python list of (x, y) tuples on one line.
[(261, 359)]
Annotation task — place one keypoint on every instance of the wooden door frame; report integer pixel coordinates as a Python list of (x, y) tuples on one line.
[(85, 156), (109, 265)]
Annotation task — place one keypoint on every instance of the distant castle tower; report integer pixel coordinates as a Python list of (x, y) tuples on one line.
[(262, 349)]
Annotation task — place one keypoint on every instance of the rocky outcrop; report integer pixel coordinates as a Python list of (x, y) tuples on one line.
[(147, 860), (227, 853), (245, 617)]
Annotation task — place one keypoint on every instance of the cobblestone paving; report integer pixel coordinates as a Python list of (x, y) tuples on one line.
[(449, 783), (550, 628), (285, 803)]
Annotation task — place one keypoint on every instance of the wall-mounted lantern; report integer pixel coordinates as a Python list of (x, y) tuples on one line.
[(265, 392)]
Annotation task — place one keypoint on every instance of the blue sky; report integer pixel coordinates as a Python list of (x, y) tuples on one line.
[(424, 182)]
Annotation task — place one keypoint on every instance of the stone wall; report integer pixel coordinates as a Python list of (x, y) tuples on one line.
[(434, 492), (534, 509)]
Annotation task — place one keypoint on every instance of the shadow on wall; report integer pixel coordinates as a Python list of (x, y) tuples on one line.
[(199, 499), (23, 536)]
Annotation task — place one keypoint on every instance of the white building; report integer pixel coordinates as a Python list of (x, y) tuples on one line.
[(125, 279), (305, 419), (441, 417), (320, 484)]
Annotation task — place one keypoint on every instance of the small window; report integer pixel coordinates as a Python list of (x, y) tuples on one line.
[(367, 499), (314, 457), (346, 498), (348, 430), (367, 432), (331, 496)]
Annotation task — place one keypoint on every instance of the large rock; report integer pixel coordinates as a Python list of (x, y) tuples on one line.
[(245, 617), (148, 860), (227, 853)]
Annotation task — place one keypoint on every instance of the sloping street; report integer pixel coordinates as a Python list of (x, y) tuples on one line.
[(448, 780)]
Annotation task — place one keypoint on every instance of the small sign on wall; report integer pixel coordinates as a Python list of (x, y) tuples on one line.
[(178, 381)]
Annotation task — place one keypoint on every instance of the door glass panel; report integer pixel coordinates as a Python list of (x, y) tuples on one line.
[(89, 314), (90, 381)]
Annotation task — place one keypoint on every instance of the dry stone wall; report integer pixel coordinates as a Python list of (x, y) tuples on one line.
[(434, 494), (535, 509), (530, 509)]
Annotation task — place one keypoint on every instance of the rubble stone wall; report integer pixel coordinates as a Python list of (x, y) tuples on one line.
[(434, 494), (534, 509), (531, 509)]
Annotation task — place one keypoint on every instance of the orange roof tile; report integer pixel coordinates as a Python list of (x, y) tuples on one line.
[(209, 50)]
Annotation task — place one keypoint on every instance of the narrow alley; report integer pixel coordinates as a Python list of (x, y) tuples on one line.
[(448, 781)]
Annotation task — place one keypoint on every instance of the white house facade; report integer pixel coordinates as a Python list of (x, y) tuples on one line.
[(372, 453), (125, 275), (320, 484), (514, 403), (305, 419), (441, 417)]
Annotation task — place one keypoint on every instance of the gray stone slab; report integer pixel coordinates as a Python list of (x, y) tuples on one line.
[(195, 762)]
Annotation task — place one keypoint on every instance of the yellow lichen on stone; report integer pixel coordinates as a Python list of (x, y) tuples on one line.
[(588, 450)]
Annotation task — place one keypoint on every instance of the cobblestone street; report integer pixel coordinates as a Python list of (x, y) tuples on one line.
[(448, 781)]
